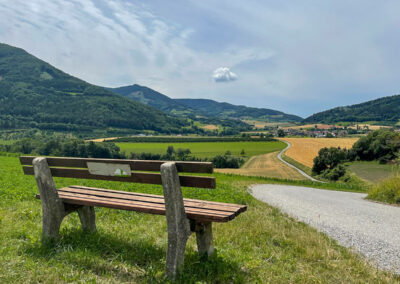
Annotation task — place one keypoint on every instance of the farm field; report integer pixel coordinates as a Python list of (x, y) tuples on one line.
[(319, 126), (261, 124), (210, 127), (206, 149), (267, 165), (260, 245), (373, 171), (304, 150)]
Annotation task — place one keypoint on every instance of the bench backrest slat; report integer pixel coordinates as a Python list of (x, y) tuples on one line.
[(136, 165), (77, 168)]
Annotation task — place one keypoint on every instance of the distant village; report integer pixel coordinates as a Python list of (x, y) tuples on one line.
[(327, 131)]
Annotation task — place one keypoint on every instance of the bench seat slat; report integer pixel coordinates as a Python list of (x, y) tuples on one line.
[(230, 205), (136, 165), (149, 178), (157, 199), (204, 213)]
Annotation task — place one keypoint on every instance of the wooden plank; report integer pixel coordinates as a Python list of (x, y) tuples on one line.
[(136, 165), (144, 207), (231, 206), (209, 212), (149, 178), (150, 199)]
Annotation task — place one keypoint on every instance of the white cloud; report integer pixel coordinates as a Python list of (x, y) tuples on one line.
[(223, 74)]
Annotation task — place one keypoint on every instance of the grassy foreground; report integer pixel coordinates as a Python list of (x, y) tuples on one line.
[(261, 245), (206, 149)]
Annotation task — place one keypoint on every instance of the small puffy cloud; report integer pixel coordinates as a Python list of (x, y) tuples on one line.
[(223, 74)]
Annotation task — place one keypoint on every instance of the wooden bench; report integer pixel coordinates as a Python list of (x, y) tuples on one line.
[(184, 216)]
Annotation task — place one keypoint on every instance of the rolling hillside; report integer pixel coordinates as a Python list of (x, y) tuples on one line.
[(384, 110), (200, 107), (226, 110), (34, 94), (152, 98)]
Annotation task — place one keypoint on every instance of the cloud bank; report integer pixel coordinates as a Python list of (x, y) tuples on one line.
[(295, 56), (223, 74)]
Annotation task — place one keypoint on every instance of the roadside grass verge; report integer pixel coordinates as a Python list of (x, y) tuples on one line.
[(387, 191), (302, 167), (261, 245)]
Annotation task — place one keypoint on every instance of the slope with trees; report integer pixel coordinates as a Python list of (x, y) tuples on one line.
[(384, 110), (201, 107), (34, 94)]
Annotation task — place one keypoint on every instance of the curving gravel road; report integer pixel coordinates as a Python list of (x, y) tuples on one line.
[(370, 228)]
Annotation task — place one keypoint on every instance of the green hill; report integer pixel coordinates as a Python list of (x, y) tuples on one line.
[(152, 98), (34, 94), (200, 107), (226, 110), (384, 110)]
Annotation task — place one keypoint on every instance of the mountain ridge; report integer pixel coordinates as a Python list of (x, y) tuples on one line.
[(200, 107), (34, 94), (385, 110)]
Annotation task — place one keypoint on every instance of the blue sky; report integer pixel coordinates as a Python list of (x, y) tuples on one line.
[(300, 57)]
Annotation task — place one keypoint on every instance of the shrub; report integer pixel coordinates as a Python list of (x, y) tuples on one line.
[(387, 191)]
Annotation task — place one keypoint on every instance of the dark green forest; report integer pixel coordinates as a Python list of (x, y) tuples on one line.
[(385, 110), (34, 94)]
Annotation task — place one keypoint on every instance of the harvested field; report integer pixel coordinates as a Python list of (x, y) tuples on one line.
[(210, 127), (369, 126), (261, 124), (304, 150), (98, 140), (319, 126), (267, 165)]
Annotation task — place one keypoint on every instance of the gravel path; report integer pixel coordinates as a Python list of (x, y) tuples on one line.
[(370, 228)]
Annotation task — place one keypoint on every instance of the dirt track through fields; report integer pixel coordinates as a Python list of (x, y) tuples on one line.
[(267, 165)]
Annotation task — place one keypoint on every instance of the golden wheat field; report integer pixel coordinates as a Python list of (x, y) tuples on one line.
[(210, 127), (266, 165), (304, 150)]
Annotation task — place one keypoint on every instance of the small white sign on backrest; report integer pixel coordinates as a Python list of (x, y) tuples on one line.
[(107, 169)]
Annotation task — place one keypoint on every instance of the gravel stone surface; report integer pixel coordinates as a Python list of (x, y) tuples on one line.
[(369, 228)]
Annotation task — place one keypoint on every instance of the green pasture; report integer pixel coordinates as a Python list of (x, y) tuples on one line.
[(373, 171), (206, 149), (6, 142), (261, 245)]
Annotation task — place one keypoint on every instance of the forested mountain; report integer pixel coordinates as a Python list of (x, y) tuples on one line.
[(226, 110), (34, 94), (200, 107), (385, 110), (152, 98)]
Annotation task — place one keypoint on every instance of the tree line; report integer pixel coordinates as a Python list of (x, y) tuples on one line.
[(381, 145)]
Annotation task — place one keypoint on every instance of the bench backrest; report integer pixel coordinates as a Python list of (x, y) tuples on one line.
[(122, 170)]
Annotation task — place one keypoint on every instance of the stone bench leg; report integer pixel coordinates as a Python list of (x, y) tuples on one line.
[(204, 238), (87, 217), (53, 208), (177, 222)]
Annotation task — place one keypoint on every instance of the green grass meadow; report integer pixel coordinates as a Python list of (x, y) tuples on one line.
[(261, 245), (373, 171), (205, 149)]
